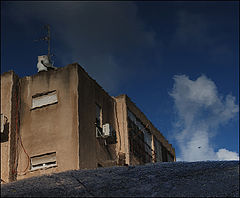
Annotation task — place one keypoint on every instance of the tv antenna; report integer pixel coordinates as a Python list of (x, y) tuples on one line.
[(44, 61), (48, 39)]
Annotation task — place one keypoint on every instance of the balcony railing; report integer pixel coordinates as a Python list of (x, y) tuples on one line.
[(138, 147)]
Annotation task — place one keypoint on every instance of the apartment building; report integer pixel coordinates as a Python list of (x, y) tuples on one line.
[(62, 119)]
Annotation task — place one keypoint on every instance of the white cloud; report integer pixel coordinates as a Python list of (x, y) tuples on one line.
[(201, 110), (224, 154)]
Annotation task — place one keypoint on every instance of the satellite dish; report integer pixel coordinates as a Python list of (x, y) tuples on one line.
[(44, 64)]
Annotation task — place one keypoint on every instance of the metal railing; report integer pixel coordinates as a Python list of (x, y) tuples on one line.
[(138, 147)]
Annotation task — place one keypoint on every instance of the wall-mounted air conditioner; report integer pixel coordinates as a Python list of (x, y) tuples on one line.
[(3, 122), (107, 130)]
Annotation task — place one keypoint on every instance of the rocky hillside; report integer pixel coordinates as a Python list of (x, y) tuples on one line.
[(177, 179)]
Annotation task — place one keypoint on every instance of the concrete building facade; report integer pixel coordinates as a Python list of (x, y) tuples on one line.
[(62, 120)]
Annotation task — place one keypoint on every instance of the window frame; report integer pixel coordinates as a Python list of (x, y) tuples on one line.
[(49, 163), (41, 97)]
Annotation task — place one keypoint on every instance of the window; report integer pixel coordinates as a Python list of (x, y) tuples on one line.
[(98, 116), (137, 146), (4, 128), (44, 99), (43, 161), (140, 139), (3, 122), (164, 154), (131, 116), (148, 145), (98, 122), (158, 150), (170, 157)]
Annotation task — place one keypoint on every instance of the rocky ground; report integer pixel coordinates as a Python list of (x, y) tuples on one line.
[(168, 179)]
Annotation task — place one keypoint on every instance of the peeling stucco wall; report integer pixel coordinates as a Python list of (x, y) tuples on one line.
[(51, 128), (9, 97)]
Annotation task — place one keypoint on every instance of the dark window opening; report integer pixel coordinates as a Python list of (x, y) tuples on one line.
[(5, 133), (164, 154), (98, 116), (158, 150), (170, 157), (4, 128)]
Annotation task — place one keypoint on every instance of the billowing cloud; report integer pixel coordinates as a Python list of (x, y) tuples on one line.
[(224, 154), (92, 34), (201, 110)]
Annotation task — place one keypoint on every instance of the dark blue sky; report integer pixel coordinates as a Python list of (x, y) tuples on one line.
[(137, 48)]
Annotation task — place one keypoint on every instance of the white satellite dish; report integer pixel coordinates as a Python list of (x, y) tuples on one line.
[(44, 63)]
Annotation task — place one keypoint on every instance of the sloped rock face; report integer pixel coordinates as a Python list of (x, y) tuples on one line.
[(168, 179)]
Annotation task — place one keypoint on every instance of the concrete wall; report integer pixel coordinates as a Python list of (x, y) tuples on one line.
[(51, 128), (121, 121), (93, 151), (155, 132), (9, 95)]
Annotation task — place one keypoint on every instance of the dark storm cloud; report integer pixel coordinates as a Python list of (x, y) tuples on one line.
[(206, 29), (191, 28), (95, 34)]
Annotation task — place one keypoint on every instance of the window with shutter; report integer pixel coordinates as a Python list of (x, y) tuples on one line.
[(43, 161), (44, 99)]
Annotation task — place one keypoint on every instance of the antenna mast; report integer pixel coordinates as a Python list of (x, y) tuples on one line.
[(48, 39), (44, 62)]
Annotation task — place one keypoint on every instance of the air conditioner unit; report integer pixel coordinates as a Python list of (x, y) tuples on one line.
[(3, 122), (107, 130)]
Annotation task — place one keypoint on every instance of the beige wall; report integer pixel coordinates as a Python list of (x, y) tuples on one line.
[(123, 143), (52, 128), (8, 137), (106, 153), (155, 133), (93, 151)]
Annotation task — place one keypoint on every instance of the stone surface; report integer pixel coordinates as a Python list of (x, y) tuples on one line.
[(167, 179)]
